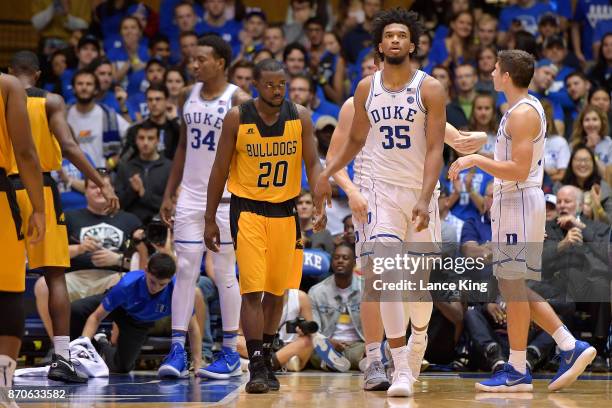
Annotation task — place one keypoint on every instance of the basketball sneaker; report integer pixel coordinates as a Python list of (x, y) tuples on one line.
[(273, 383), (226, 364), (507, 380), (416, 352), (175, 363), (63, 370), (572, 363), (258, 377), (403, 383), (375, 378), (325, 351)]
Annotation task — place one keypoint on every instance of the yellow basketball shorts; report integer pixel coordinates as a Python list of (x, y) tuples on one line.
[(12, 244), (53, 249), (268, 245)]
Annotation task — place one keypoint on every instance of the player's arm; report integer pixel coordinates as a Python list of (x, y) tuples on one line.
[(56, 116), (359, 130), (93, 321), (358, 204), (434, 98), (311, 161), (18, 126), (239, 97), (464, 142), (523, 126), (218, 176), (178, 163)]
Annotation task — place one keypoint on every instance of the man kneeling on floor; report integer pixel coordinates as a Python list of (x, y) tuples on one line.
[(134, 304)]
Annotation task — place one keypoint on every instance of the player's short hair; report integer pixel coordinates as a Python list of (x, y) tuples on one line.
[(267, 65), (396, 16), (518, 64), (159, 88), (24, 62), (162, 266), (221, 48)]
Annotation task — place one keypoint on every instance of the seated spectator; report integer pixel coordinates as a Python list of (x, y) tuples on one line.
[(131, 58), (98, 129), (141, 180), (467, 192), (576, 249), (335, 307), (187, 21), (602, 29), (524, 15), (58, 63), (484, 119), (334, 68), (97, 246), (216, 22), (548, 27), (582, 173), (454, 114), (71, 184), (55, 22), (115, 98), (241, 74), (556, 149), (88, 49), (486, 31), (188, 42), (135, 303), (551, 207), (600, 97), (586, 16), (458, 47), (591, 128), (315, 240), (292, 351), (486, 57), (295, 58), (252, 37), (578, 86), (274, 41), (465, 87), (107, 21), (175, 82), (555, 50), (159, 47), (359, 37), (155, 72)]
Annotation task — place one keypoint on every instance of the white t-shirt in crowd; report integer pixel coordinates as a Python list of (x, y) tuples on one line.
[(87, 128), (556, 153), (345, 328)]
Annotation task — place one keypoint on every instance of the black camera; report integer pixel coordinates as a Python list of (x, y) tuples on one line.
[(306, 326), (156, 232)]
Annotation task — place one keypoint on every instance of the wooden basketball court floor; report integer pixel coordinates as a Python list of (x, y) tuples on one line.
[(308, 389)]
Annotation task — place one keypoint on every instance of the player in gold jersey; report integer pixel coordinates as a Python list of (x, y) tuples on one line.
[(52, 137), (15, 135), (262, 144)]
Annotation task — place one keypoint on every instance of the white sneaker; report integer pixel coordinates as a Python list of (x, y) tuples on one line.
[(415, 356), (402, 385)]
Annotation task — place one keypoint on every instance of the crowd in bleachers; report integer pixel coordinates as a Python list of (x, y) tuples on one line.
[(121, 65)]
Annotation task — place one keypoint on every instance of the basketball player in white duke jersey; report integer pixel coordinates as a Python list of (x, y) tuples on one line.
[(518, 217), (400, 114), (204, 106)]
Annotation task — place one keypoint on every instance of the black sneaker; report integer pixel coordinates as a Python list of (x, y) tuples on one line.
[(599, 365), (63, 370), (533, 358), (273, 383), (258, 377), (494, 356)]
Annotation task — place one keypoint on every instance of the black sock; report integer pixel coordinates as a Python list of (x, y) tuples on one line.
[(268, 339), (254, 348)]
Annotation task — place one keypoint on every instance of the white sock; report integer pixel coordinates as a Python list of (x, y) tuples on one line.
[(518, 360), (61, 344), (7, 369), (400, 357), (564, 339), (418, 340), (373, 353), (230, 340)]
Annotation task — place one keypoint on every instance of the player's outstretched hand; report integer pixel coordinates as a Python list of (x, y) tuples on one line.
[(320, 221), (322, 193), (212, 236), (112, 201), (470, 142), (420, 215), (165, 211), (36, 226), (460, 164), (359, 206)]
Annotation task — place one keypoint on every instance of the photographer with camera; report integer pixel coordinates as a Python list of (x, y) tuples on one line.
[(336, 308)]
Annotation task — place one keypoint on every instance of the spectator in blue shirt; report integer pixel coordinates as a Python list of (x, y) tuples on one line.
[(107, 20), (578, 86), (215, 22), (467, 192), (155, 72), (274, 41), (255, 24), (458, 47), (159, 47), (522, 16), (586, 16), (601, 73), (186, 21), (555, 50), (88, 49), (602, 28), (359, 37), (130, 59), (138, 300)]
